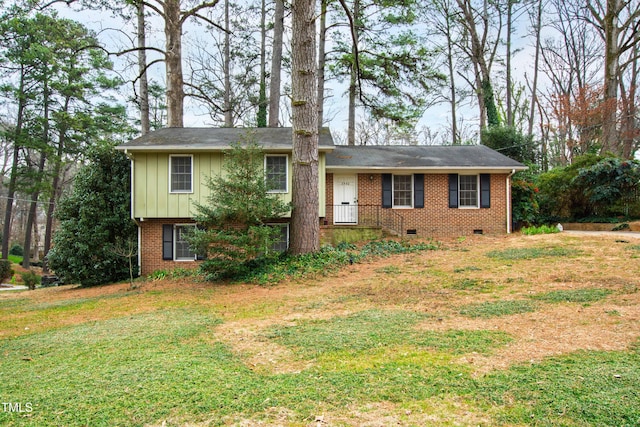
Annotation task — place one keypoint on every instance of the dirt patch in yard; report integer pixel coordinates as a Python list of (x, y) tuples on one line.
[(437, 283)]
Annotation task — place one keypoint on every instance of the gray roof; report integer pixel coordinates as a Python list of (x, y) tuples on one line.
[(435, 157), (207, 139), (353, 158)]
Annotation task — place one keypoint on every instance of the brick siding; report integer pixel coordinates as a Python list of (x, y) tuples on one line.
[(436, 219), (151, 250)]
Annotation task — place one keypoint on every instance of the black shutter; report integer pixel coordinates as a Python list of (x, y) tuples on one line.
[(485, 190), (453, 190), (387, 190), (167, 241), (418, 190)]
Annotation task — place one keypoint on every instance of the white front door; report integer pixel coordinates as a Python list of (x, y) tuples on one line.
[(345, 199)]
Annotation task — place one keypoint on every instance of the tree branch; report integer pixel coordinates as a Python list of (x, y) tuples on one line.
[(193, 12), (354, 38)]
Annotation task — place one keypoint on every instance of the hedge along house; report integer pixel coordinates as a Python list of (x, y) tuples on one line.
[(428, 191)]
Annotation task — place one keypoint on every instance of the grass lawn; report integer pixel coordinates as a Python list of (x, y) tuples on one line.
[(537, 330)]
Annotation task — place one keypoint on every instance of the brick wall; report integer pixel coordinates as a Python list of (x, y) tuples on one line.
[(436, 219), (151, 250)]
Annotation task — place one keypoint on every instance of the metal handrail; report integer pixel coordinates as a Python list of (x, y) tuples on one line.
[(368, 215)]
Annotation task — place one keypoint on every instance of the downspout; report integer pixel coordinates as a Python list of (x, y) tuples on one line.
[(508, 192), (139, 254)]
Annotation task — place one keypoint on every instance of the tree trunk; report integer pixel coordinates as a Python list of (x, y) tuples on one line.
[(353, 80), (483, 76), (173, 62), (33, 206), (630, 131), (31, 216), (55, 187), (228, 110), (322, 56), (11, 189), (509, 96), (276, 65), (536, 66), (609, 123), (262, 97), (452, 84), (305, 222), (145, 125)]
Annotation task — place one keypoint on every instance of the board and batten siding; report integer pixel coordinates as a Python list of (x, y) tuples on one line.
[(151, 185)]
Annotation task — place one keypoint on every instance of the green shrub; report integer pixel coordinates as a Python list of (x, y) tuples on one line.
[(270, 270), (16, 250), (233, 223), (5, 269), (94, 217), (30, 279), (542, 229), (391, 247)]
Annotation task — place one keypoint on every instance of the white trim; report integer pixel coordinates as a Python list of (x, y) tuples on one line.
[(477, 205), (425, 170), (393, 192), (132, 183), (282, 225), (509, 202), (171, 191), (286, 172), (175, 241), (139, 254), (337, 204)]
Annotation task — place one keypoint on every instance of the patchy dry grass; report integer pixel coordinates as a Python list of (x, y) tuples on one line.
[(518, 330)]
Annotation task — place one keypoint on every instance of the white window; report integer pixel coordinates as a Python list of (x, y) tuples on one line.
[(181, 249), (282, 244), (402, 191), (468, 191), (181, 174), (276, 170)]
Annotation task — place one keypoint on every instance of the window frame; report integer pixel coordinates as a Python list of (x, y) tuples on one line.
[(191, 174), (476, 191), (283, 225), (393, 192), (286, 173), (176, 227)]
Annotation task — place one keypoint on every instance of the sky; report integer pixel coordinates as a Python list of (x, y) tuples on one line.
[(115, 34)]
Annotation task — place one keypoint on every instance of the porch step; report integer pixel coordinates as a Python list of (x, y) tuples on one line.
[(335, 234)]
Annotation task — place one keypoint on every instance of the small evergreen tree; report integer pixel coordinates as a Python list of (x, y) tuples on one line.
[(510, 142), (93, 218), (233, 225)]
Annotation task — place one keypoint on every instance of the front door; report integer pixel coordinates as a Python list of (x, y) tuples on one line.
[(345, 199)]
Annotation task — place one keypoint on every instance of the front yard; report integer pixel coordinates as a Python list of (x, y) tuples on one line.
[(519, 330)]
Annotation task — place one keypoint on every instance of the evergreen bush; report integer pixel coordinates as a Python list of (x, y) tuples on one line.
[(234, 225), (16, 250), (94, 217), (5, 270)]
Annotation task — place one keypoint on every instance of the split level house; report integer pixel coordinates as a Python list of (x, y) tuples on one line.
[(424, 191)]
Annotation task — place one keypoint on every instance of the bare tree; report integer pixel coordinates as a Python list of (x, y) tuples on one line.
[(276, 65), (481, 50), (618, 23), (143, 94)]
